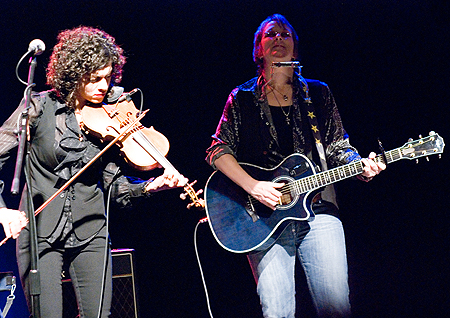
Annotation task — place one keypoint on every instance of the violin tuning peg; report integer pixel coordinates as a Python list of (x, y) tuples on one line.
[(183, 196)]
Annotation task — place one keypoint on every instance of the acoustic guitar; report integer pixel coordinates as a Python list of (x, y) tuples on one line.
[(242, 224)]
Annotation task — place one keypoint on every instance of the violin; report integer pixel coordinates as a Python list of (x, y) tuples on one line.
[(143, 148)]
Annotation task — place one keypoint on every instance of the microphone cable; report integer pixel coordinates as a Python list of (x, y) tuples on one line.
[(36, 46), (105, 258)]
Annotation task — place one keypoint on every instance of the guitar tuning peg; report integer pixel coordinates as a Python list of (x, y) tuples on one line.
[(428, 159), (420, 136), (417, 161), (410, 139), (432, 133)]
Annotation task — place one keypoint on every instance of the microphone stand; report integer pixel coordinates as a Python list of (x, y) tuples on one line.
[(23, 137)]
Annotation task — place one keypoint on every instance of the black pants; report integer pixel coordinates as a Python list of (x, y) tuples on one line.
[(86, 272)]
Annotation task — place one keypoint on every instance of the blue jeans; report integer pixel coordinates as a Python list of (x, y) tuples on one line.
[(320, 247)]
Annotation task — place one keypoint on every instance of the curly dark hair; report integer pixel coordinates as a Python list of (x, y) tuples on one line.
[(81, 51), (282, 22)]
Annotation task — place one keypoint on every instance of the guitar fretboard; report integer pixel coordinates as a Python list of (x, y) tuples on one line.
[(349, 170)]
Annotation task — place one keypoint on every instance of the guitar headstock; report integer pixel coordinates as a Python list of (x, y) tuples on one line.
[(426, 146)]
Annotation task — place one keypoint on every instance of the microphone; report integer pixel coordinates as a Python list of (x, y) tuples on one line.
[(294, 64), (127, 96), (37, 46)]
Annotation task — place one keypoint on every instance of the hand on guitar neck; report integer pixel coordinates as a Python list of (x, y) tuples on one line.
[(371, 168)]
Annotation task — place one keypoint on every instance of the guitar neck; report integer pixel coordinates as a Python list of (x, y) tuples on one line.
[(349, 170)]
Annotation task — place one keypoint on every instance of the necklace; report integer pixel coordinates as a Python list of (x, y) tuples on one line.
[(288, 120), (285, 97)]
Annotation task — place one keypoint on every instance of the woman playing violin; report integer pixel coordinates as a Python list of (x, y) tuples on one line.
[(85, 65)]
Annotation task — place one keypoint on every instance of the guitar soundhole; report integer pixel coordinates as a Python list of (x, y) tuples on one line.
[(289, 196)]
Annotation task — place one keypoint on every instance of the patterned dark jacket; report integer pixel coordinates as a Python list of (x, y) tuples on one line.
[(246, 129)]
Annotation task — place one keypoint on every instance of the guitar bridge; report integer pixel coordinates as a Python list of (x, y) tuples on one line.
[(251, 210), (286, 199)]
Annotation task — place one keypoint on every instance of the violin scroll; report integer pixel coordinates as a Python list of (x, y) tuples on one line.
[(197, 202)]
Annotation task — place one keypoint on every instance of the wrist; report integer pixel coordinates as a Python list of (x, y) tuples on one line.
[(145, 185), (364, 178)]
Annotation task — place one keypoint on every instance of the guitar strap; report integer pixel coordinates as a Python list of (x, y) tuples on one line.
[(314, 124)]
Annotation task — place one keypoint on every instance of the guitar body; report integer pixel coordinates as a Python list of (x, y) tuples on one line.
[(230, 209)]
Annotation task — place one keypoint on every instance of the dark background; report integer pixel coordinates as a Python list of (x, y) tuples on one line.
[(387, 65)]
